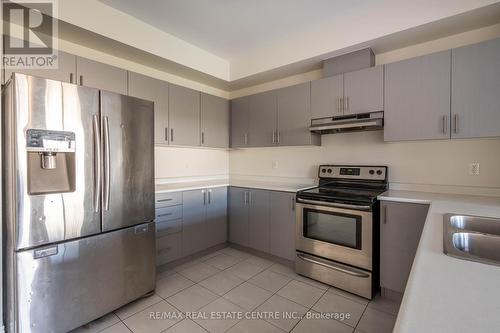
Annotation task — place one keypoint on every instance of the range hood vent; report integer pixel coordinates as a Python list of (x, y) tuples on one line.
[(361, 122)]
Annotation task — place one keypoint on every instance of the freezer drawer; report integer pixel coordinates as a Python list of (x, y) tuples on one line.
[(168, 199), (64, 286)]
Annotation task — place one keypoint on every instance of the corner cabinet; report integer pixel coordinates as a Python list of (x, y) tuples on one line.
[(401, 225), (145, 87), (214, 121), (95, 74), (475, 102), (417, 98), (184, 116)]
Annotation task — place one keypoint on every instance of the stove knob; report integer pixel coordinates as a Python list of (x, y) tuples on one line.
[(329, 170), (379, 172), (372, 172)]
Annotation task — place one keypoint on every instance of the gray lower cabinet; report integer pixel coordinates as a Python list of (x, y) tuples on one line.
[(262, 120), (401, 225), (95, 74), (238, 216), (364, 90), (282, 224), (294, 116), (65, 71), (145, 87), (240, 108), (214, 121), (193, 223), (216, 216), (475, 104), (258, 219), (168, 222), (184, 116), (417, 98), (326, 96)]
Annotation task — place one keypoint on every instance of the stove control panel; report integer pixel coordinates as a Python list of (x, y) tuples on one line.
[(353, 172)]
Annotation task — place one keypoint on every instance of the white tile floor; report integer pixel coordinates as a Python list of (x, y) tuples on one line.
[(231, 281)]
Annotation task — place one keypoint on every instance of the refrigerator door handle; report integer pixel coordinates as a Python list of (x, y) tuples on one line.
[(97, 163), (106, 163)]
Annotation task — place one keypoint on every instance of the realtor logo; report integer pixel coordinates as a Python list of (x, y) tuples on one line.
[(30, 34)]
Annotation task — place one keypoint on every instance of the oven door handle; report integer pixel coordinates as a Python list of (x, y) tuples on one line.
[(334, 267), (331, 204)]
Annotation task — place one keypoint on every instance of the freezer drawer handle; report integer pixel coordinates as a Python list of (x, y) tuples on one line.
[(141, 229), (334, 267)]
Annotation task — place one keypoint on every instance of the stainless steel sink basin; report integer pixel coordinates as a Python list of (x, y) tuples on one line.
[(472, 238)]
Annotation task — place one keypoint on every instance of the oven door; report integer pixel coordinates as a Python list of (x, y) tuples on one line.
[(339, 234)]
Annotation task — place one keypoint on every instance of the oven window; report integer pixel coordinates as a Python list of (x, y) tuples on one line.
[(334, 228)]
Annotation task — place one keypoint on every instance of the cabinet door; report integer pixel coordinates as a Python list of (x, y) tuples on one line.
[(193, 223), (214, 121), (239, 121), (262, 119), (216, 222), (101, 76), (157, 91), (475, 105), (65, 72), (364, 90), (400, 229), (326, 95), (417, 98), (184, 113), (294, 116), (258, 220), (238, 216), (282, 224)]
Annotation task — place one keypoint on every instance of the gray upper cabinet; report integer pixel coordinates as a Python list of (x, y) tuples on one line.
[(326, 97), (240, 108), (184, 116), (214, 121), (417, 98), (400, 229), (157, 91), (258, 220), (238, 216), (216, 216), (262, 119), (65, 71), (94, 74), (294, 116), (364, 90), (475, 106), (282, 224), (193, 224)]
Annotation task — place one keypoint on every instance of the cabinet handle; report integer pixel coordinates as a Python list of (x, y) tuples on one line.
[(278, 136), (455, 123), (209, 197), (166, 214), (166, 134), (204, 197), (245, 197), (445, 120), (81, 80), (202, 138), (171, 135), (163, 200), (245, 138), (70, 77), (344, 106), (338, 104), (249, 197), (274, 137), (384, 220), (293, 203)]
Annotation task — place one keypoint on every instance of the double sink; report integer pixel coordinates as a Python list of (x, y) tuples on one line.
[(472, 238)]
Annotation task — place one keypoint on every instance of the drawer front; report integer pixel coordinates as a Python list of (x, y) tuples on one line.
[(168, 213), (168, 227), (168, 199), (168, 248)]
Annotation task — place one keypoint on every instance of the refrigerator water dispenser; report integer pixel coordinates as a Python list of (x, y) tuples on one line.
[(51, 161)]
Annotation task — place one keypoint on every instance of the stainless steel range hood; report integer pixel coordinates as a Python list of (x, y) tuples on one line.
[(361, 122)]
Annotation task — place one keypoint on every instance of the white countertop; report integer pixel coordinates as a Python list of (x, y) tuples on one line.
[(445, 294), (257, 184)]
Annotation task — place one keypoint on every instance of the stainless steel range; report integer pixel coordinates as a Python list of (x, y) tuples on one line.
[(338, 227)]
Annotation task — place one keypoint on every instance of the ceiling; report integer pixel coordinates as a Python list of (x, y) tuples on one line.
[(232, 28)]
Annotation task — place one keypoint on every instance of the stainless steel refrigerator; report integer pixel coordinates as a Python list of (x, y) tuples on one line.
[(78, 203)]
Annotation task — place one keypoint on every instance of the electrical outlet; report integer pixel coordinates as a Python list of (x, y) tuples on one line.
[(275, 164), (474, 169)]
